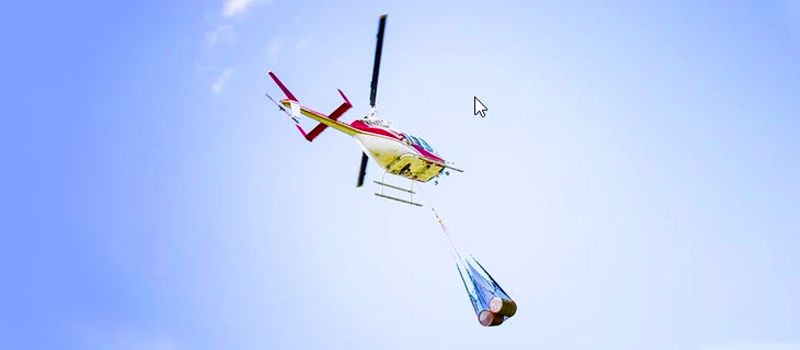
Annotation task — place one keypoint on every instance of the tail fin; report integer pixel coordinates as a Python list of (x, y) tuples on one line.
[(324, 120), (283, 88)]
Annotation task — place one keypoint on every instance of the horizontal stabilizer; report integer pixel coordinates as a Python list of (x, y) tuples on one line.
[(324, 120), (334, 116)]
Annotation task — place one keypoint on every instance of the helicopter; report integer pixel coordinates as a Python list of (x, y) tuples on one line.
[(396, 152)]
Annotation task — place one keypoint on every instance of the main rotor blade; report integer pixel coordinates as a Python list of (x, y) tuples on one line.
[(363, 171), (377, 66)]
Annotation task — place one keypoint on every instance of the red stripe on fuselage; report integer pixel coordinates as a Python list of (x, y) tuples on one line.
[(358, 124), (361, 126)]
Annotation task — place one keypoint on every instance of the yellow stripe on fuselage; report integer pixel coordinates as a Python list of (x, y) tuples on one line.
[(347, 129)]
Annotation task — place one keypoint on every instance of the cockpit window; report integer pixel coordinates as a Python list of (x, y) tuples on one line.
[(419, 142), (425, 145)]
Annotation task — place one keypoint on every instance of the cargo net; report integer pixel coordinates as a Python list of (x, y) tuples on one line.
[(491, 303)]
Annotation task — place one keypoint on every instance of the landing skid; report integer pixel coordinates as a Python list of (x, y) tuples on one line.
[(410, 192)]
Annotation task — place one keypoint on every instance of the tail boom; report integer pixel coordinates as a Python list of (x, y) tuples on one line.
[(324, 121)]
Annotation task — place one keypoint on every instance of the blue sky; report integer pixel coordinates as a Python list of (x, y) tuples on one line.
[(633, 185)]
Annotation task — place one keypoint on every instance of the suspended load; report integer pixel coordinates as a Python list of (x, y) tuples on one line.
[(491, 303)]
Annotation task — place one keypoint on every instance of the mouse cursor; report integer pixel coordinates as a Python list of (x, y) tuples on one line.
[(480, 108)]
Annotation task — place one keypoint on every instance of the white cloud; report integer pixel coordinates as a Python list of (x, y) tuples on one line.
[(222, 81), (223, 34), (274, 49), (238, 7), (302, 44)]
